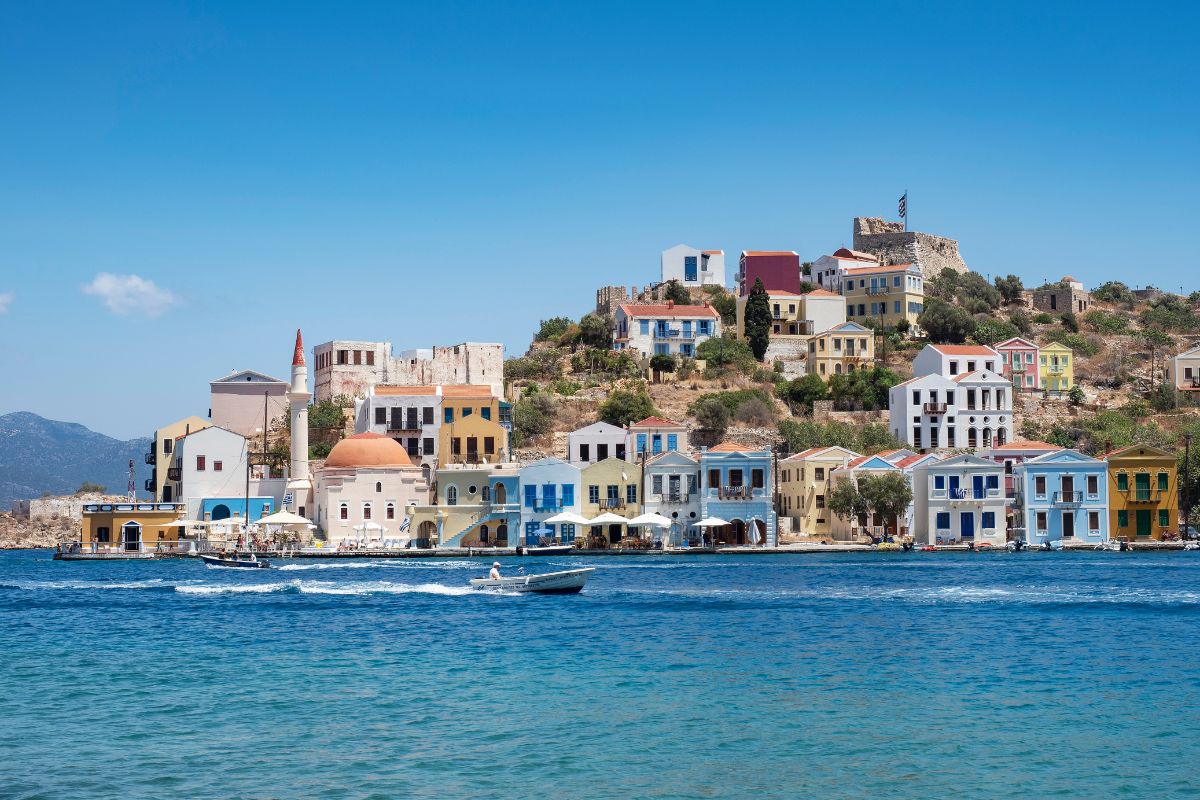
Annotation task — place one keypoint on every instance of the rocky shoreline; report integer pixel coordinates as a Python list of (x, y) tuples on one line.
[(21, 534)]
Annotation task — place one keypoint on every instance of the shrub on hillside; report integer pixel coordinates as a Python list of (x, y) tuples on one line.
[(533, 416), (800, 435), (1113, 292), (550, 329), (541, 364), (862, 390), (993, 331), (677, 293), (1010, 288), (945, 323), (1070, 322), (755, 412), (595, 330), (730, 399), (726, 351), (711, 415), (802, 392), (1170, 313), (723, 302), (1106, 323), (1043, 318), (624, 406), (1021, 321)]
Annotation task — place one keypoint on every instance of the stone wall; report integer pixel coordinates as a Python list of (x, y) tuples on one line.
[(1059, 299), (891, 244), (68, 507), (609, 297), (792, 353)]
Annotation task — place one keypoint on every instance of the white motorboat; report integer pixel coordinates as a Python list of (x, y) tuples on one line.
[(569, 581), (549, 550)]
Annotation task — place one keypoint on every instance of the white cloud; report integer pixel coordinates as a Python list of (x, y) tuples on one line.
[(5, 300), (125, 294)]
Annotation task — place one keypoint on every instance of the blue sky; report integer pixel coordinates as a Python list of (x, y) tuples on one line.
[(457, 171)]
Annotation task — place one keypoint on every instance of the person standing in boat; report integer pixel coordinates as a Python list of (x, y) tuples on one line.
[(495, 573)]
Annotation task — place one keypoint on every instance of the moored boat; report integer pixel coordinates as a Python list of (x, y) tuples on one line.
[(569, 581), (248, 562), (549, 550)]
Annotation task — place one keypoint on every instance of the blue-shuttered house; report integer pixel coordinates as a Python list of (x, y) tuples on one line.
[(738, 488), (548, 487), (1062, 496)]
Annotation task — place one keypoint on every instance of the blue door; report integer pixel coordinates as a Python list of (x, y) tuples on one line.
[(953, 486), (977, 486), (967, 524)]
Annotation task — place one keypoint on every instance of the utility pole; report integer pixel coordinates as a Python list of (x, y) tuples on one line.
[(1187, 493)]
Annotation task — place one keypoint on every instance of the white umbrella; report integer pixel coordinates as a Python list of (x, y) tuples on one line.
[(283, 518), (711, 522), (608, 518), (181, 523), (567, 518), (656, 520), (368, 526)]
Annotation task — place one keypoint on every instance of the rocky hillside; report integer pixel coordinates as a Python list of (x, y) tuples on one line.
[(39, 456)]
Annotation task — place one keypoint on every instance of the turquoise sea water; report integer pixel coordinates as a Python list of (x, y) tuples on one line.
[(876, 675)]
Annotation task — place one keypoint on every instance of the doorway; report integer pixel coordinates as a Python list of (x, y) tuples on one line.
[(1068, 523), (1143, 521), (131, 537), (966, 523)]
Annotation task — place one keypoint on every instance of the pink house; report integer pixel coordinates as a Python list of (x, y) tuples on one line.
[(1019, 363)]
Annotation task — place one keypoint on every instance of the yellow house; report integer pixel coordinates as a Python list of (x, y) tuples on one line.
[(1056, 368), (804, 485), (610, 486), (161, 454), (471, 430), (1143, 493), (474, 505), (797, 316), (843, 348), (884, 294), (130, 527)]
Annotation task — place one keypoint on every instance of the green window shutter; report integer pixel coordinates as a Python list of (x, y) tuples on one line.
[(1164, 518), (1122, 482), (1162, 481), (1122, 519)]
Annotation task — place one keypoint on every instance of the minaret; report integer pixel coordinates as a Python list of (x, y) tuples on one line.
[(299, 484)]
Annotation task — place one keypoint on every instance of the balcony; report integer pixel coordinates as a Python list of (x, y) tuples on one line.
[(1142, 495), (611, 502), (674, 497), (735, 493), (549, 504), (174, 473), (970, 493), (402, 425), (668, 333), (1067, 498), (874, 290), (934, 408), (1056, 369), (152, 457)]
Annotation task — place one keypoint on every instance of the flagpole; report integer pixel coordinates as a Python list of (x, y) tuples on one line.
[(906, 210)]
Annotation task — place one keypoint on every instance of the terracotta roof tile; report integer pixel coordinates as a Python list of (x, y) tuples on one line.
[(821, 293), (733, 447), (655, 422), (385, 390), (1027, 444), (466, 390), (664, 310), (856, 271)]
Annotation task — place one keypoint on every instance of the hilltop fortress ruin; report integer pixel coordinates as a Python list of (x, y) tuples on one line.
[(891, 244)]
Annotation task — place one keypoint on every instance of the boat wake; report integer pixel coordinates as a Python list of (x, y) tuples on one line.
[(298, 586), (390, 563)]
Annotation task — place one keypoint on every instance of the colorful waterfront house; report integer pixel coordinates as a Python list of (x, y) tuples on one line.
[(1012, 454), (131, 527), (161, 454), (1183, 371), (1143, 493), (849, 529), (612, 486), (366, 490), (476, 505), (841, 349), (654, 435), (549, 486), (908, 462), (885, 294), (471, 431), (958, 500), (596, 442), (1062, 496), (1019, 363), (1056, 369), (804, 483), (955, 360), (671, 489), (208, 473), (738, 488), (664, 328)]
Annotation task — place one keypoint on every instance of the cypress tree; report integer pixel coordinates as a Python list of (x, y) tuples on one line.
[(758, 319)]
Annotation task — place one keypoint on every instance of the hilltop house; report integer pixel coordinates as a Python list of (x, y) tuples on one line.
[(843, 348), (827, 270), (779, 270), (692, 267), (972, 410), (664, 329), (885, 294), (1183, 371), (1056, 368)]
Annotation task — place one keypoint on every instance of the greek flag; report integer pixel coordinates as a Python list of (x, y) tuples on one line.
[(904, 205), (404, 525)]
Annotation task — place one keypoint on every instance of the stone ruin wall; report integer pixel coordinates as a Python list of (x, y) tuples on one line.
[(609, 297), (893, 245)]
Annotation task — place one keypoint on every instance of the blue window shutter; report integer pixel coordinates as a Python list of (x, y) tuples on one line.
[(641, 442), (568, 494), (644, 325), (530, 496), (672, 441), (448, 416)]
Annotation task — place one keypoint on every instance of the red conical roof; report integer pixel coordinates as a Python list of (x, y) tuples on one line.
[(298, 355)]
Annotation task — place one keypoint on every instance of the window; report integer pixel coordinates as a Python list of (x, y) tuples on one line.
[(1093, 520), (448, 415), (820, 501), (943, 521), (689, 268), (486, 412), (1122, 482), (757, 478), (992, 481), (1164, 518), (585, 452), (344, 511), (631, 493), (1041, 521), (456, 446), (1093, 485), (989, 519), (489, 445), (428, 446), (427, 415), (672, 441), (656, 484), (601, 452), (103, 535), (218, 466), (390, 511), (380, 416), (486, 494), (594, 494), (896, 307), (358, 357), (200, 463), (1162, 481), (714, 478), (1122, 519), (452, 495), (530, 496), (167, 445), (366, 511), (378, 487), (467, 411), (896, 280), (1039, 486), (703, 325), (370, 358)]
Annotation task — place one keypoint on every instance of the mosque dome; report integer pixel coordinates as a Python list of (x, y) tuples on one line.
[(367, 450)]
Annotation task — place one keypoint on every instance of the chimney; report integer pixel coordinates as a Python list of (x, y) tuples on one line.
[(670, 304)]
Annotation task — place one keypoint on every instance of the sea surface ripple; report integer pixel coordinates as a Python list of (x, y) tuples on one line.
[(1000, 675)]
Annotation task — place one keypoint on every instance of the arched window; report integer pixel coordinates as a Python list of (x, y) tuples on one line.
[(366, 510), (483, 534), (344, 511), (378, 486), (451, 495), (837, 368), (391, 510)]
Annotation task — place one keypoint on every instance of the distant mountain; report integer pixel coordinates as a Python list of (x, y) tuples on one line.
[(39, 455)]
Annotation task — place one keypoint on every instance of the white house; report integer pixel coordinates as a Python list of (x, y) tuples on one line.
[(596, 442), (959, 500), (826, 271), (693, 267), (1184, 370), (951, 360), (672, 481), (208, 472), (823, 310), (665, 329), (933, 411), (411, 415)]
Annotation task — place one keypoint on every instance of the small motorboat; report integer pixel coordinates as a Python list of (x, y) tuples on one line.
[(1192, 546), (249, 561), (569, 581), (549, 550), (1109, 545)]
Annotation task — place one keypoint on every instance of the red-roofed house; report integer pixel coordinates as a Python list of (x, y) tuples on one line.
[(826, 271), (952, 360), (779, 270), (655, 435), (664, 329)]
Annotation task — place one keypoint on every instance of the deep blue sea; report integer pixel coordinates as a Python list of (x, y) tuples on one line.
[(919, 675)]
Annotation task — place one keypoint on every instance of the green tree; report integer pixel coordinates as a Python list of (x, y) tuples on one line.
[(533, 416), (724, 303), (758, 319), (1021, 321), (660, 362), (712, 416), (846, 501), (802, 434), (887, 495), (1070, 322), (991, 331), (328, 414), (87, 487), (1076, 396), (677, 293), (551, 329), (945, 323), (875, 437), (862, 390), (755, 411), (595, 330), (1113, 292), (802, 392), (624, 406), (1010, 288), (725, 350)]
